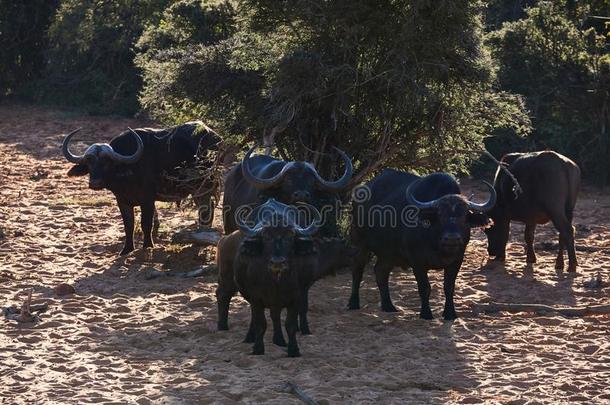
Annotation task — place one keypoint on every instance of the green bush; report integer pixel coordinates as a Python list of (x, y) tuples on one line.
[(403, 83), (90, 56), (23, 41), (563, 72)]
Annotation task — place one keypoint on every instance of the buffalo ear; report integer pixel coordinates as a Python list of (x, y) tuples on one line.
[(479, 220), (78, 170)]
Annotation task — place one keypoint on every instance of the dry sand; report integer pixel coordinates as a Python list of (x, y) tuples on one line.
[(124, 339)]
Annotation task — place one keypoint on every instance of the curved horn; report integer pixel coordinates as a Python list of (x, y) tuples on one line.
[(414, 201), (486, 206), (70, 157), (257, 182), (314, 226), (344, 180), (248, 231), (133, 158)]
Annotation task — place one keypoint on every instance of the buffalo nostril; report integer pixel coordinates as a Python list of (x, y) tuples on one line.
[(300, 196), (278, 261)]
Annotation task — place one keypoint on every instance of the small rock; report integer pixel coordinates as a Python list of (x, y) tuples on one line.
[(18, 234), (64, 289)]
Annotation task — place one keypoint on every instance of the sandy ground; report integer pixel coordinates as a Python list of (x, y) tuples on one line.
[(124, 339)]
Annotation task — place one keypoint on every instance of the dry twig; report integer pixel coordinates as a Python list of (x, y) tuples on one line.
[(299, 393), (540, 309)]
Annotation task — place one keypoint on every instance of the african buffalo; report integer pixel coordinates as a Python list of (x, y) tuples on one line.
[(136, 165), (331, 254), (550, 184), (270, 263), (424, 224), (260, 177)]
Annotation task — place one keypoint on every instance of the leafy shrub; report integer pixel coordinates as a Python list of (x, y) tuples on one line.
[(404, 83), (90, 55), (23, 41), (563, 72)]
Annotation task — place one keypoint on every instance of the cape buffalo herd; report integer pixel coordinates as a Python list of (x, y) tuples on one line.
[(272, 254)]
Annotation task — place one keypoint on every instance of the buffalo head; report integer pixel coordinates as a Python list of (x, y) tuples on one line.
[(273, 234), (99, 160), (297, 181), (453, 215)]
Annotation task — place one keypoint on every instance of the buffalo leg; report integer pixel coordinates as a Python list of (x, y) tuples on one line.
[(260, 326), (566, 240), (223, 298), (276, 318), (291, 330), (128, 223), (156, 224), (357, 271), (423, 287), (530, 230), (303, 308), (251, 334), (205, 209), (449, 287), (573, 263), (147, 214), (382, 275)]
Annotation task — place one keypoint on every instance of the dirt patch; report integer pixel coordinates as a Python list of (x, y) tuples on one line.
[(125, 339)]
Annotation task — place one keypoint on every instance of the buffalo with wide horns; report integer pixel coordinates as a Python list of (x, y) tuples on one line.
[(413, 222), (139, 167), (260, 177)]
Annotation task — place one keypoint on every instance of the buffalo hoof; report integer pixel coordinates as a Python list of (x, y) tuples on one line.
[(388, 308), (559, 266), (426, 315), (126, 250), (278, 340), (449, 316), (572, 268), (353, 304), (249, 338), (305, 330), (294, 352), (258, 350), (223, 326)]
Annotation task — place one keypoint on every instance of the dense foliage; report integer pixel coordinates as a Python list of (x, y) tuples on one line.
[(23, 26), (355, 74), (404, 83), (564, 73)]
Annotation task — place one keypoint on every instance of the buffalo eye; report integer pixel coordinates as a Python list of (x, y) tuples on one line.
[(479, 220)]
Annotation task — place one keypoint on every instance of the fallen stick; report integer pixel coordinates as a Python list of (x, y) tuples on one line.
[(299, 393), (199, 271), (25, 314), (540, 309), (201, 238)]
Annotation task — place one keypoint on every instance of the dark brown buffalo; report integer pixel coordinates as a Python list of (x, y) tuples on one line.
[(425, 224), (550, 184), (134, 164), (270, 263)]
